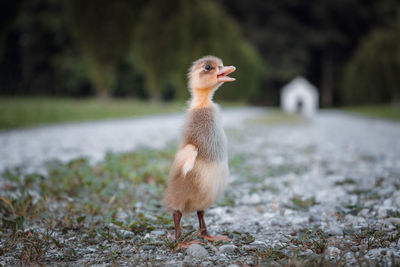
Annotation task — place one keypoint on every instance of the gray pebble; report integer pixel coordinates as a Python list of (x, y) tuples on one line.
[(156, 233), (300, 220), (227, 249), (335, 230), (395, 221), (68, 252), (197, 251), (333, 252), (126, 234), (258, 244), (382, 212), (364, 213), (187, 258)]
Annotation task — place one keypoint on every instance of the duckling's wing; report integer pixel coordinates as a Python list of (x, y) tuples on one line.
[(186, 157)]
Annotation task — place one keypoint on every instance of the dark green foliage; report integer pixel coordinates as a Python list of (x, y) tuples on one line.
[(8, 11), (172, 34), (103, 30), (34, 46), (311, 38), (373, 73), (143, 48), (129, 80)]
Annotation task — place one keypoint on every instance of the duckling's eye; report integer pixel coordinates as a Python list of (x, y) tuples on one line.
[(207, 67)]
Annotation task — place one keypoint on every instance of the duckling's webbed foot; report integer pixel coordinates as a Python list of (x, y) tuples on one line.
[(177, 220), (203, 229), (215, 238)]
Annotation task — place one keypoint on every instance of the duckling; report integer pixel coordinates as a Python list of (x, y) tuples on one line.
[(200, 168)]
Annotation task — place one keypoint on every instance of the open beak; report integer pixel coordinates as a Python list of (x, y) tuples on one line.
[(222, 74)]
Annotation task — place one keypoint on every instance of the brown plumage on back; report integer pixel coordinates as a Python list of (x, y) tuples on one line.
[(198, 174)]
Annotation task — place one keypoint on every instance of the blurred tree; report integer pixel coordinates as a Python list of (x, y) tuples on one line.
[(103, 30), (36, 36), (311, 38), (141, 48), (129, 80), (373, 73), (172, 34), (8, 13)]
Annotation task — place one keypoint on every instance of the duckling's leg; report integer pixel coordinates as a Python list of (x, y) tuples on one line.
[(177, 221), (202, 224), (203, 229)]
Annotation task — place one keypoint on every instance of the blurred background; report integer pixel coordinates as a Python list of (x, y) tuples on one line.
[(141, 50)]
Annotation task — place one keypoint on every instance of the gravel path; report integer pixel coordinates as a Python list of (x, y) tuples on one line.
[(338, 175), (30, 148), (326, 188)]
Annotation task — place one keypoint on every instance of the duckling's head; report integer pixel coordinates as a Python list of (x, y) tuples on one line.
[(208, 73)]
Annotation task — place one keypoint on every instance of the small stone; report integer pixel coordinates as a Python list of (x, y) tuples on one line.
[(353, 199), (396, 198), (197, 251), (253, 199), (335, 230), (188, 259), (351, 220), (387, 202), (364, 213), (369, 203), (227, 249), (333, 252), (315, 218), (374, 253), (68, 252), (126, 234), (300, 220), (382, 212), (288, 212), (278, 222), (258, 244), (233, 265), (395, 221), (157, 233), (91, 249), (297, 228)]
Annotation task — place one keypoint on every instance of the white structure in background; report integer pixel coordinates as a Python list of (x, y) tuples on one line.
[(299, 96)]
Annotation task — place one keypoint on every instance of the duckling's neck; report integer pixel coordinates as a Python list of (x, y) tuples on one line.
[(201, 98)]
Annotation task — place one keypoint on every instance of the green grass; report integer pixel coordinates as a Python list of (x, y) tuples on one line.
[(31, 111), (390, 112)]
